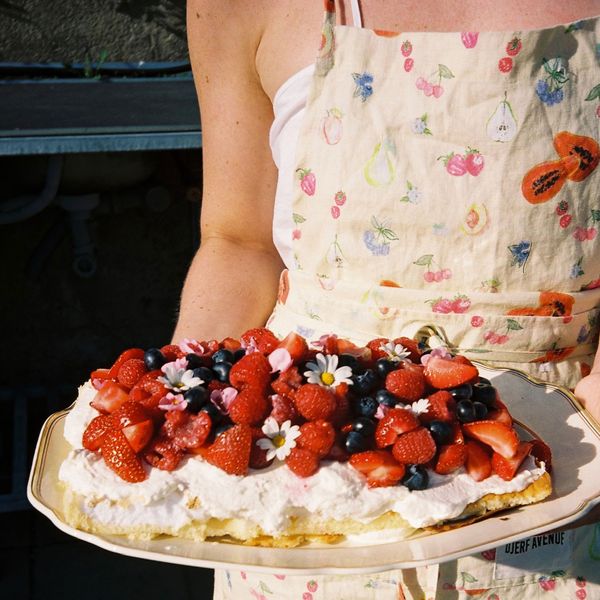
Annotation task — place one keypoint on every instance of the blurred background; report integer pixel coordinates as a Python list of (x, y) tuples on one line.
[(100, 154)]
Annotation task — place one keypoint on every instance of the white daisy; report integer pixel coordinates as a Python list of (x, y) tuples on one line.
[(395, 352), (178, 377), (280, 440), (418, 408), (325, 371)]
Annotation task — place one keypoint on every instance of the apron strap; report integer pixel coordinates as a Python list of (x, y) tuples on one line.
[(356, 16)]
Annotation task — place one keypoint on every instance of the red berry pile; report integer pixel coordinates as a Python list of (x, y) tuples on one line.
[(395, 415)]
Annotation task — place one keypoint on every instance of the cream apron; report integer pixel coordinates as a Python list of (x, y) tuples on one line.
[(450, 179)]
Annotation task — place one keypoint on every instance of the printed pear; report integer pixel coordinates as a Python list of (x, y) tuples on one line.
[(502, 125), (379, 170)]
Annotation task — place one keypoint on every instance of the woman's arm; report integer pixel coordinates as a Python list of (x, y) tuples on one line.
[(588, 389), (232, 281)]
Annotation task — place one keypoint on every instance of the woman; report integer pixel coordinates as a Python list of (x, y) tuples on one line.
[(421, 178)]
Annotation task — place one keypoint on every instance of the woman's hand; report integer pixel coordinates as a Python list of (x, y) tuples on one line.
[(587, 392)]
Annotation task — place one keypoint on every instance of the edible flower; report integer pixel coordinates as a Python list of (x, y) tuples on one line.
[(418, 408), (280, 440), (395, 352), (191, 346), (440, 351), (173, 402), (326, 373), (178, 377), (222, 399), (280, 360)]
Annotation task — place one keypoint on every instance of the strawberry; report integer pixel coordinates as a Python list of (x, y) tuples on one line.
[(120, 457), (442, 407), (375, 347), (131, 371), (252, 370), (541, 452), (478, 462), (96, 430), (379, 467), (151, 406), (347, 347), (302, 462), (99, 377), (230, 451), (250, 406), (193, 432), (124, 356), (450, 458), (444, 373), (287, 382), (316, 436), (500, 414), (341, 414), (412, 346), (258, 456), (139, 434), (414, 447), (283, 409), (395, 422), (149, 382), (163, 454), (500, 437), (230, 344), (130, 413), (506, 468), (172, 352), (457, 434), (406, 385), (137, 394), (314, 402), (296, 345), (261, 338), (110, 397)]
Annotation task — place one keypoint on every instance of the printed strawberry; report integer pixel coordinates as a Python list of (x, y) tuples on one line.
[(249, 407), (442, 407), (412, 346), (308, 182), (124, 356), (541, 452), (506, 468), (474, 162), (505, 64), (416, 447), (110, 397), (230, 451), (163, 454), (444, 373), (130, 413), (252, 370), (375, 347), (406, 385), (498, 436), (379, 467), (139, 434), (172, 352), (296, 345), (514, 46), (406, 48), (131, 371), (450, 458), (314, 402), (316, 436), (455, 164), (478, 462), (394, 423), (96, 430), (263, 339), (120, 457), (469, 38), (302, 462), (287, 382)]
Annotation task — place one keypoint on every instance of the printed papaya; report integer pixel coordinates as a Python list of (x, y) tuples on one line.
[(585, 148)]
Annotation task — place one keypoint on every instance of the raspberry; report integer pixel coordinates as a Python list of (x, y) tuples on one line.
[(163, 454), (187, 431), (252, 370), (260, 337), (120, 457), (415, 447), (316, 436), (231, 450), (250, 406), (96, 430), (442, 407), (406, 385), (172, 352), (131, 371), (315, 402), (375, 347), (283, 409), (451, 457), (302, 462), (287, 382)]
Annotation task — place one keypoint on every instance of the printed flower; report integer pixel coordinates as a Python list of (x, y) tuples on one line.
[(377, 240), (279, 440), (173, 402), (178, 376), (419, 125), (549, 89), (325, 371), (395, 352), (364, 87), (190, 346), (413, 195), (577, 270), (520, 253)]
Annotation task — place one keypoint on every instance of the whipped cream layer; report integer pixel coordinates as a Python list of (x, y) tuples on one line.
[(197, 490)]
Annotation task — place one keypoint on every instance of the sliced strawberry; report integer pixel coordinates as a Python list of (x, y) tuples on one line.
[(110, 397), (500, 437), (131, 371), (230, 451), (541, 452), (120, 457), (252, 370), (302, 462), (230, 344), (450, 458), (316, 436), (442, 407), (342, 413), (151, 405), (283, 409), (394, 423), (375, 347), (444, 373), (506, 468), (124, 356), (172, 352), (261, 338), (139, 434), (479, 462), (416, 447), (163, 454), (314, 402), (250, 406), (130, 413), (96, 430), (379, 466), (99, 377), (412, 346), (501, 415), (407, 385), (296, 345), (362, 353), (137, 394), (287, 382), (457, 434)]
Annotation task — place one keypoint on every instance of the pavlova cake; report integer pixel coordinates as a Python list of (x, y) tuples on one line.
[(279, 442)]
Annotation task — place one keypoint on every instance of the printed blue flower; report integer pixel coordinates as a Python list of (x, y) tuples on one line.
[(520, 253)]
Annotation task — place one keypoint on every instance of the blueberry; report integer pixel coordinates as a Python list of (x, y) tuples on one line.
[(154, 359), (364, 382), (481, 379), (221, 370), (416, 478), (223, 355), (204, 373), (386, 398), (365, 407), (356, 442), (384, 366), (222, 427), (481, 410), (193, 361), (196, 398), (484, 393), (239, 353), (465, 411), (462, 392), (441, 432), (212, 411), (349, 360), (364, 426)]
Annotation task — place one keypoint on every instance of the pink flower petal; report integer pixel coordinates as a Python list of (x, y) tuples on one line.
[(173, 402), (190, 346), (280, 360), (222, 399)]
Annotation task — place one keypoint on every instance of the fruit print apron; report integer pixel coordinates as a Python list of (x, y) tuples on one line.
[(446, 187)]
